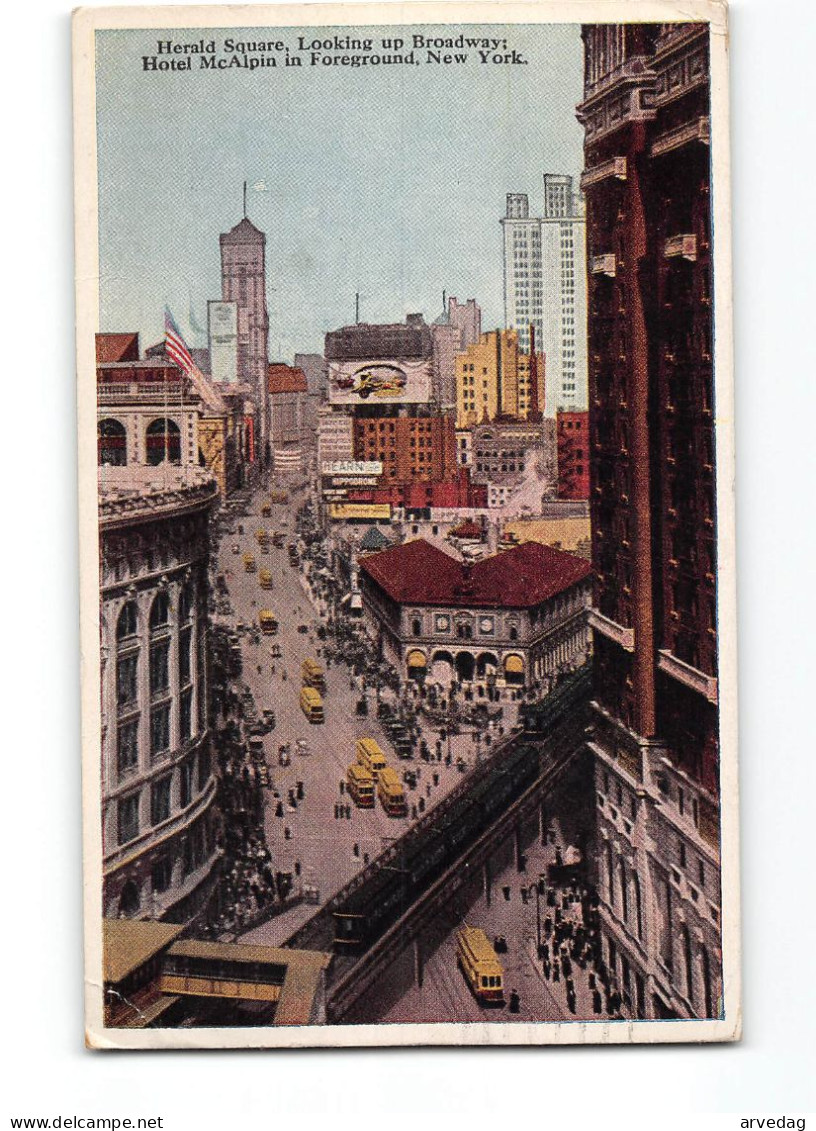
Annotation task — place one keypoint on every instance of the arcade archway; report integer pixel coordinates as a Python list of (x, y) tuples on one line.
[(111, 439), (163, 442)]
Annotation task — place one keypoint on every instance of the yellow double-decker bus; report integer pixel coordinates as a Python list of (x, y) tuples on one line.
[(265, 578), (268, 622), (390, 793), (266, 510), (477, 960), (370, 756), (311, 704), (261, 534), (360, 786), (249, 563), (312, 675)]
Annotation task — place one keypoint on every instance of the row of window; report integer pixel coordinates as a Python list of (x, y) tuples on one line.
[(128, 621), (127, 732), (162, 442), (464, 628), (129, 814), (127, 670)]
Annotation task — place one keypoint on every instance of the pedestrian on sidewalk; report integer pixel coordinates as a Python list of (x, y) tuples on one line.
[(355, 849), (342, 786)]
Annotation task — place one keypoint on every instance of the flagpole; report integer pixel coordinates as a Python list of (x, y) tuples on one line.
[(166, 430)]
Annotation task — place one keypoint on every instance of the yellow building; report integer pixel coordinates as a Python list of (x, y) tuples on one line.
[(572, 534), (493, 380)]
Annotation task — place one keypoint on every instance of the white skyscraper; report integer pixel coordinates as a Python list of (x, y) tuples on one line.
[(545, 284)]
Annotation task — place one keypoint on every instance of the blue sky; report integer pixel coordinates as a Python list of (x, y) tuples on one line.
[(389, 181)]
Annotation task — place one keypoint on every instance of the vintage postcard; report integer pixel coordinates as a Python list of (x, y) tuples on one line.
[(406, 476)]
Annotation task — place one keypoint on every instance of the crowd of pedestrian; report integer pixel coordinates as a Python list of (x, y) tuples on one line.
[(571, 945)]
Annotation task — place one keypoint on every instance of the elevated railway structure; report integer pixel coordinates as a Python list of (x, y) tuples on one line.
[(395, 902)]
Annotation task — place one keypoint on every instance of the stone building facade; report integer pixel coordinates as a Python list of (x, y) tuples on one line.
[(512, 621), (159, 820)]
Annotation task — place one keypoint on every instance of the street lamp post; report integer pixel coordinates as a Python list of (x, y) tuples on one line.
[(536, 887)]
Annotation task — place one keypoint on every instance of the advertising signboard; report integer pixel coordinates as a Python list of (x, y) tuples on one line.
[(407, 381), (222, 319), (371, 512)]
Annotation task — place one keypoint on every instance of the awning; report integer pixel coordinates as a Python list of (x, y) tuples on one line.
[(417, 660), (514, 665)]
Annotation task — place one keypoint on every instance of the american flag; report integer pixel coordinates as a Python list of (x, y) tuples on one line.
[(175, 345)]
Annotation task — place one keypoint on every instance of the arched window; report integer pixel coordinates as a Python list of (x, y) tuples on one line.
[(160, 611), (685, 940), (129, 901), (127, 690), (163, 441), (624, 892), (513, 633), (127, 622), (160, 645), (416, 626), (638, 905), (705, 970), (610, 875), (185, 605), (111, 440)]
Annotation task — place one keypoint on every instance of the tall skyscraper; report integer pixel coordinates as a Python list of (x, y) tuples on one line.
[(243, 282), (647, 185), (545, 286)]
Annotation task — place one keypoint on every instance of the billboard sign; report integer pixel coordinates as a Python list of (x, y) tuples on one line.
[(380, 382), (222, 321), (352, 467), (363, 511)]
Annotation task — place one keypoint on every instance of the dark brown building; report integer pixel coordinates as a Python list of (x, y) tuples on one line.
[(647, 185), (572, 438)]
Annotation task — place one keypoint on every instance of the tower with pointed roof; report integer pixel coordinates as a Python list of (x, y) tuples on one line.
[(243, 281)]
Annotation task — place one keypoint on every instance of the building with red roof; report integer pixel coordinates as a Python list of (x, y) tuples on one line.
[(516, 619)]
